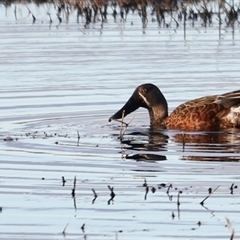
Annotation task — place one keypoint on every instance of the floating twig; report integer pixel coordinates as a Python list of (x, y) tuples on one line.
[(63, 181), (146, 189), (211, 211), (64, 230), (112, 194), (74, 187), (74, 192), (83, 228), (15, 12), (202, 202), (178, 203), (122, 130), (126, 127), (229, 225), (78, 135), (95, 196), (59, 19), (168, 190), (153, 189), (34, 19), (178, 198), (121, 121), (50, 19), (145, 183), (146, 192), (232, 187)]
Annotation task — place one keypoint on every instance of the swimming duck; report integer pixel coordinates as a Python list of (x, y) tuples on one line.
[(202, 114)]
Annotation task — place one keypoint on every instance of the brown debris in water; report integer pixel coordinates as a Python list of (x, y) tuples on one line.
[(232, 188), (145, 183), (179, 192), (229, 225), (122, 129), (64, 230), (153, 189), (63, 181), (147, 187), (168, 190), (146, 192), (78, 138), (210, 193), (10, 139), (112, 194), (95, 196), (74, 192), (178, 203), (83, 228), (74, 187)]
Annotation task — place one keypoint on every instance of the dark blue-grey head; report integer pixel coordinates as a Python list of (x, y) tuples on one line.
[(147, 96)]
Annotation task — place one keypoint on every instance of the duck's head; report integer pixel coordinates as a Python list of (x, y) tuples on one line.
[(147, 96)]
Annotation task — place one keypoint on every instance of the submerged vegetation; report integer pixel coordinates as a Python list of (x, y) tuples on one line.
[(166, 13)]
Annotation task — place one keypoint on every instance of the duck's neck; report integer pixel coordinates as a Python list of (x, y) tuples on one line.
[(158, 114)]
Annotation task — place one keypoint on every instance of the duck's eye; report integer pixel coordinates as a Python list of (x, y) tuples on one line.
[(144, 90)]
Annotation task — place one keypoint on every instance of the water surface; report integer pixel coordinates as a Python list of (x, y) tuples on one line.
[(63, 81)]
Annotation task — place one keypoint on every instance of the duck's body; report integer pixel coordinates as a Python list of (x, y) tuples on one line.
[(202, 114)]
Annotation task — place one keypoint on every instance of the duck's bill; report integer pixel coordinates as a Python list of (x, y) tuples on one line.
[(131, 105)]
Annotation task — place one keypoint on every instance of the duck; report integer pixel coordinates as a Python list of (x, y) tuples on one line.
[(209, 113)]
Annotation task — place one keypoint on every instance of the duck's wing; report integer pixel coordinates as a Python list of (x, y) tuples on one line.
[(207, 113), (229, 100)]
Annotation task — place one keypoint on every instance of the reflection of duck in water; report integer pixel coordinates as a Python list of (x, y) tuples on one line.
[(150, 141), (192, 146), (208, 137), (202, 114), (147, 144), (155, 141)]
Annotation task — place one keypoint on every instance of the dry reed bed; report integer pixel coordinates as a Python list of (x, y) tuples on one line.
[(166, 13)]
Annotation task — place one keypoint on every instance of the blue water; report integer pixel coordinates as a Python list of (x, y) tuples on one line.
[(61, 81)]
